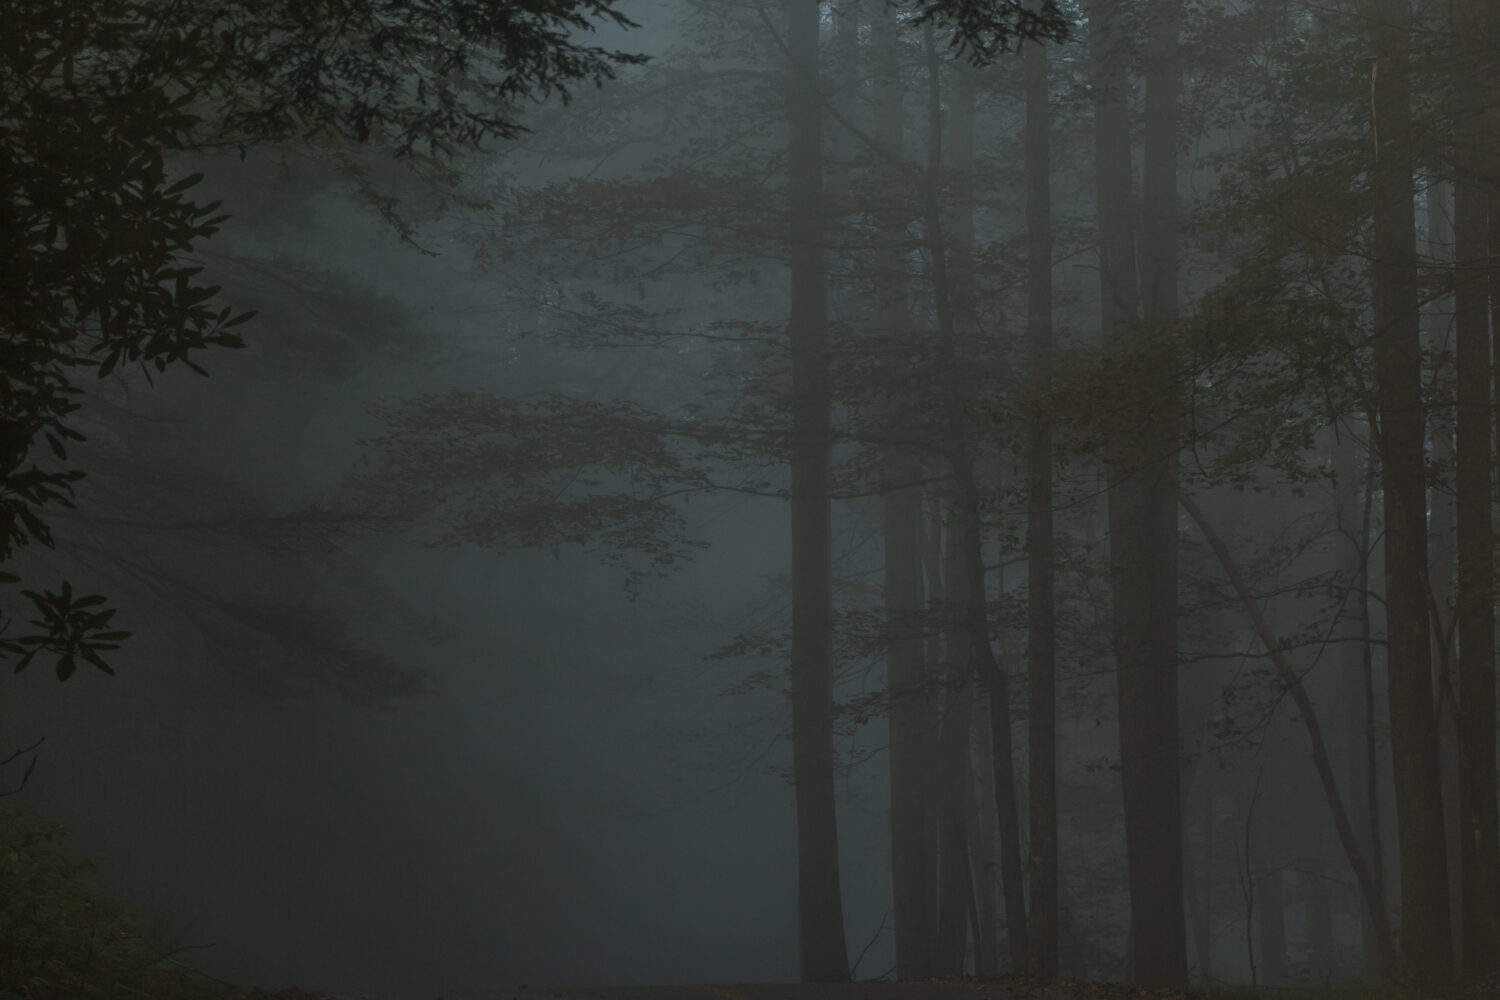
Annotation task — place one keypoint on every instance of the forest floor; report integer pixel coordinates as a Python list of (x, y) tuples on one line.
[(1009, 988)]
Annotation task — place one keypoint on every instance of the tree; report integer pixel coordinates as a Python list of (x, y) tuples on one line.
[(819, 905), (1141, 461), (1041, 955), (1478, 860), (910, 700), (94, 232), (1426, 942)]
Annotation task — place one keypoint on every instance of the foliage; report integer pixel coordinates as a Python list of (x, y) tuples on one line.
[(59, 936), (446, 74), (90, 233), (555, 471), (984, 30), (94, 232)]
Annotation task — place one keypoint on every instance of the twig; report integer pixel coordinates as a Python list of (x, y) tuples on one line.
[(30, 766)]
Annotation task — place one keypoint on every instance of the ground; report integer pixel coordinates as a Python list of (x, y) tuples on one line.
[(1011, 988)]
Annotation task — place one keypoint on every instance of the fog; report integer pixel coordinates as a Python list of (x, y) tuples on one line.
[(395, 719)]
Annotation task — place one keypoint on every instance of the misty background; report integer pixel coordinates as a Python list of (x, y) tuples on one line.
[(365, 740)]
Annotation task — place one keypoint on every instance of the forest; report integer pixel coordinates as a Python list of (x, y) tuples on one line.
[(859, 498)]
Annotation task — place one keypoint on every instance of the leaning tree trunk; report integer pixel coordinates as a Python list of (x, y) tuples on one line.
[(1426, 932), (1275, 649), (822, 949)]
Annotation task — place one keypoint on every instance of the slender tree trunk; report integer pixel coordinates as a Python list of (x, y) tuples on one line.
[(1352, 515), (1478, 856), (1041, 616), (909, 692), (954, 777), (983, 834), (822, 949), (1426, 933), (1270, 889), (939, 641), (1201, 895), (909, 726)]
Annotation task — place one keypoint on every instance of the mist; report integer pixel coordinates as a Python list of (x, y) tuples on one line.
[(724, 531)]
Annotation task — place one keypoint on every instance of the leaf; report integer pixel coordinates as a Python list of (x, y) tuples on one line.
[(26, 660), (94, 658), (184, 184)]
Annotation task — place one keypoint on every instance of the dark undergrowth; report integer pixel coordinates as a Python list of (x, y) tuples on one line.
[(1485, 989), (62, 938)]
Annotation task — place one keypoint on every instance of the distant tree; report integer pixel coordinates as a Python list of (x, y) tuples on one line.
[(93, 230)]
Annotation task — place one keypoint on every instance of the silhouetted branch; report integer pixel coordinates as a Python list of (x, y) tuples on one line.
[(31, 766)]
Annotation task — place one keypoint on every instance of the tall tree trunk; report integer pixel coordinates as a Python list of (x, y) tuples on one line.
[(822, 949), (1041, 616), (1141, 461), (907, 687), (1479, 855), (1437, 342), (953, 864), (955, 302), (1426, 933)]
